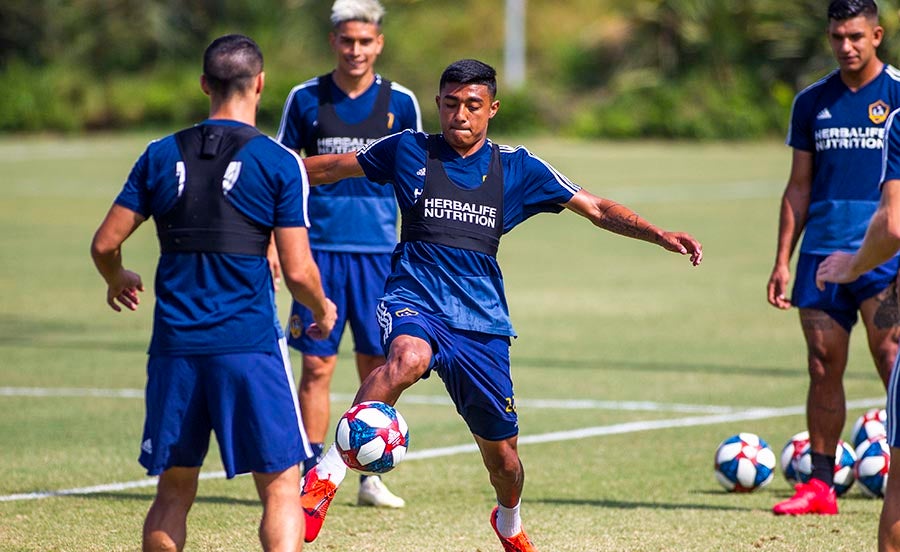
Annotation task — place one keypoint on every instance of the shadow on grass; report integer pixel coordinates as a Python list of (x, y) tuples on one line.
[(677, 368), (148, 498), (55, 333), (633, 505)]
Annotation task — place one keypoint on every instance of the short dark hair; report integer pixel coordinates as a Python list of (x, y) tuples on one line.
[(842, 10), (470, 71), (230, 64)]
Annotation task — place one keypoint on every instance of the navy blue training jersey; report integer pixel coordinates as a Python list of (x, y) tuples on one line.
[(213, 303), (845, 132), (372, 208), (463, 288)]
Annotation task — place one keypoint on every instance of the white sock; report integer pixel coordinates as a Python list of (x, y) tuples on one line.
[(509, 523), (331, 466)]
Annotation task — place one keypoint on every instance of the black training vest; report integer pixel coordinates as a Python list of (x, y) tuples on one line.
[(335, 136), (450, 215), (202, 220)]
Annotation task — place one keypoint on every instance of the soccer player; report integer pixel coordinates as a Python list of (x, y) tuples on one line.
[(881, 243), (836, 132), (218, 359), (444, 308), (336, 113)]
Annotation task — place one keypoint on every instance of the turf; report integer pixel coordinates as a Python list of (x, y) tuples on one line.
[(599, 317)]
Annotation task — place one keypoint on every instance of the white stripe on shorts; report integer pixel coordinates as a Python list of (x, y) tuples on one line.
[(289, 374)]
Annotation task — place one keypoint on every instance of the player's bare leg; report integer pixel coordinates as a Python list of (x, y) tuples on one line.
[(501, 458), (889, 524), (827, 345), (372, 490), (827, 350), (408, 359), (165, 528), (281, 527), (881, 317), (313, 394)]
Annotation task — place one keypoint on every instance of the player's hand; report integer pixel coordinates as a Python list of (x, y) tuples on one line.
[(836, 268), (777, 287), (684, 243), (123, 289), (321, 328), (274, 263)]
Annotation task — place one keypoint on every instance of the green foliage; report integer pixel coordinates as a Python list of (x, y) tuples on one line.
[(666, 68)]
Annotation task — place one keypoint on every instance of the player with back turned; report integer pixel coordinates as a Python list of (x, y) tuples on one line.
[(217, 358), (335, 113), (836, 132), (444, 308)]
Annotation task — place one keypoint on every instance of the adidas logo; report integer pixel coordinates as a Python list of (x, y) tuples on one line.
[(824, 114), (420, 172), (147, 446)]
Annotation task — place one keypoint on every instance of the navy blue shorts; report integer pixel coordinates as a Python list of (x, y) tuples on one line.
[(248, 399), (840, 301), (355, 282), (474, 367)]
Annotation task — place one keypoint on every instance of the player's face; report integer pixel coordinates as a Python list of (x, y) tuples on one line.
[(853, 42), (357, 45), (465, 110)]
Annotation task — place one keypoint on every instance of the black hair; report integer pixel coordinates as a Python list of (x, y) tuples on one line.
[(230, 64), (842, 10), (470, 71)]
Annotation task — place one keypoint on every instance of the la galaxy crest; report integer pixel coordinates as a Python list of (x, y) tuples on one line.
[(878, 112), (405, 311), (296, 327)]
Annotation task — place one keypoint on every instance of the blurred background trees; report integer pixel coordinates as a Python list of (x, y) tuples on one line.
[(596, 68)]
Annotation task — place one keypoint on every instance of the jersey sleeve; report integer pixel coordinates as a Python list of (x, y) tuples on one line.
[(542, 188), (294, 130), (135, 193), (291, 206), (890, 157), (409, 115), (379, 159), (800, 133)]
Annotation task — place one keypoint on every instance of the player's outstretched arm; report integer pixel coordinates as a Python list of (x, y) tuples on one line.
[(882, 242), (324, 169), (621, 220), (106, 250), (301, 275)]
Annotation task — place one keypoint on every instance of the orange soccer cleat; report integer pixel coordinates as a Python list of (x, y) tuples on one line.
[(315, 497), (814, 497), (516, 543)]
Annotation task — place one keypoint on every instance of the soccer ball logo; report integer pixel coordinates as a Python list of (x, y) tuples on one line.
[(372, 437), (744, 463)]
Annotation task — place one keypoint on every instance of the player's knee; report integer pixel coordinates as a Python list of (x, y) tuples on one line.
[(407, 363), (824, 369)]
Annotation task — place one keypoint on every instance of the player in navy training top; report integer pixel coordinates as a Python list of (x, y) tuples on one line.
[(218, 358), (339, 112), (881, 243), (837, 132), (444, 309)]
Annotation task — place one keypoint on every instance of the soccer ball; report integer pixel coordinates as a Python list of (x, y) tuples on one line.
[(844, 458), (789, 455), (873, 460), (744, 463), (871, 425), (372, 437)]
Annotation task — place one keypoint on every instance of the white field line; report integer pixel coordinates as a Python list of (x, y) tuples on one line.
[(556, 436), (560, 404)]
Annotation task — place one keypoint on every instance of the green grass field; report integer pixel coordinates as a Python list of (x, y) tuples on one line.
[(600, 318)]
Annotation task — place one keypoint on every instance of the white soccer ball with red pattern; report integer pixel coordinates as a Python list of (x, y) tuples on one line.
[(789, 455), (744, 463), (873, 461), (372, 437), (871, 425)]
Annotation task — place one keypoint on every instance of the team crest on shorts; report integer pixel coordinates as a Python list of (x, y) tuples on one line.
[(878, 112), (295, 326), (405, 311)]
